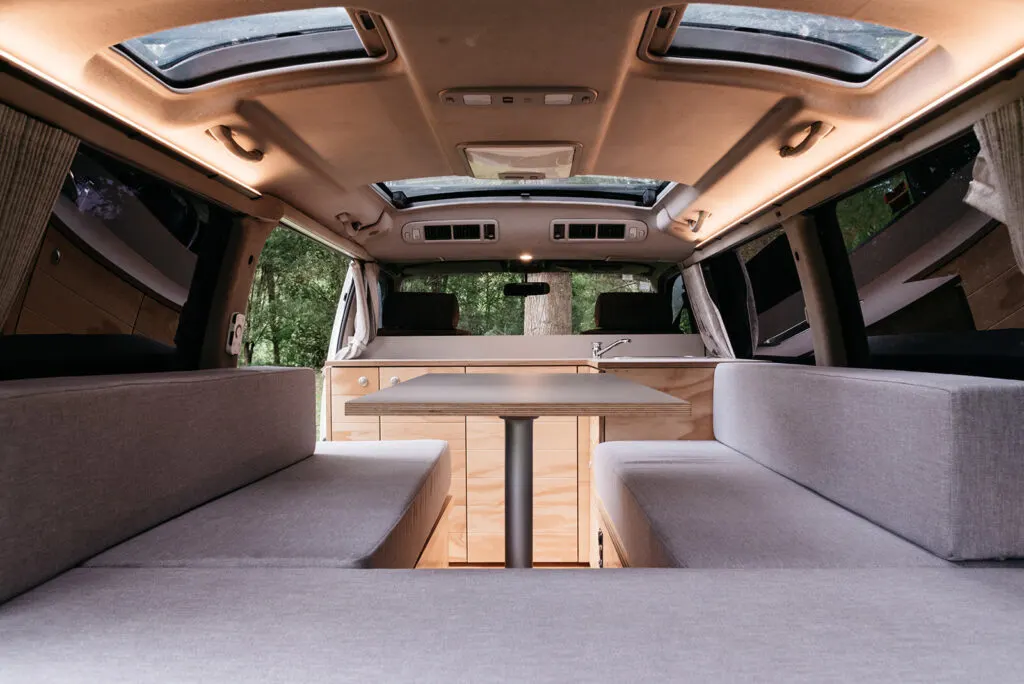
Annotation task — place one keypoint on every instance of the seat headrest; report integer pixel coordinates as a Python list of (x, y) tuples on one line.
[(634, 312), (420, 311)]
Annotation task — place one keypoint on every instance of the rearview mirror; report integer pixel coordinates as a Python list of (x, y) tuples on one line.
[(527, 289)]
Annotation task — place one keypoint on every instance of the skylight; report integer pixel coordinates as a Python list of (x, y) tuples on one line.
[(643, 191), (831, 46), (191, 55)]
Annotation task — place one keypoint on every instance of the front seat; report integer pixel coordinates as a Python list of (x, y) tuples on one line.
[(420, 313), (632, 313)]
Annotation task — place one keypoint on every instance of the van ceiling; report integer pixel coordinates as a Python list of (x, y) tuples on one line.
[(331, 131)]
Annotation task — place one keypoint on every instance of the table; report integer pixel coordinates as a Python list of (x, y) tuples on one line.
[(518, 400)]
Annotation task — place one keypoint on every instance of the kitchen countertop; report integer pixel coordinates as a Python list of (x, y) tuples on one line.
[(599, 364)]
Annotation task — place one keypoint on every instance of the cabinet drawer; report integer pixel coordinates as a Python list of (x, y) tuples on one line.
[(392, 375), (345, 431), (354, 382)]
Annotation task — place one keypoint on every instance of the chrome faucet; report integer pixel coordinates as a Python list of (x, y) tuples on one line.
[(600, 351)]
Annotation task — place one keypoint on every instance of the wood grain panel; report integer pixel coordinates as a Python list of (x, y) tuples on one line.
[(583, 522), (350, 381), (521, 370), (457, 534), (547, 548), (546, 462), (548, 492), (435, 553), (338, 402), (87, 278), (156, 321), (485, 434), (985, 261), (344, 431), (387, 376), (695, 385), (31, 323), (69, 311), (998, 300)]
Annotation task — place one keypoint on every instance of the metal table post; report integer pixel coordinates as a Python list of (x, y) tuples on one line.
[(518, 492)]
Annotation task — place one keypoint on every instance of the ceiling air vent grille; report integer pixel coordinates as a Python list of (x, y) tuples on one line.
[(576, 230), (464, 231)]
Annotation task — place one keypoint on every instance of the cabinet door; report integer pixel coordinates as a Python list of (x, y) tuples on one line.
[(350, 383), (555, 482), (451, 429), (696, 385)]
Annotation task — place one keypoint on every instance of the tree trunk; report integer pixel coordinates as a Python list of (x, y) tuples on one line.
[(549, 314), (275, 332)]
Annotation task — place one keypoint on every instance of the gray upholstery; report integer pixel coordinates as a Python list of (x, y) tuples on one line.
[(352, 504), (89, 462), (938, 459), (702, 505), (131, 626)]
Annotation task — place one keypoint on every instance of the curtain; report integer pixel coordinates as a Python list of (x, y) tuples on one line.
[(371, 274), (356, 344), (752, 322), (34, 161), (709, 319), (998, 185)]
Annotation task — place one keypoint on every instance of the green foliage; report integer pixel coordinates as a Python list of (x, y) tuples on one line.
[(865, 214), (293, 300)]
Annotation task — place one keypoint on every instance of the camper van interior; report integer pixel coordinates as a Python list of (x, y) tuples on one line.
[(532, 340)]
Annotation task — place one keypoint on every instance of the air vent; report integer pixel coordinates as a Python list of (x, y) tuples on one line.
[(577, 230), (464, 231), (433, 233)]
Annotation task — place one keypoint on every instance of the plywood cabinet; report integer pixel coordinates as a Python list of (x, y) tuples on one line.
[(696, 385), (451, 429), (555, 482), (349, 383)]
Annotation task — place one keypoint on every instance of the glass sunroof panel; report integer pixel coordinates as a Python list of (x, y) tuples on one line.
[(832, 45), (614, 187), (166, 48)]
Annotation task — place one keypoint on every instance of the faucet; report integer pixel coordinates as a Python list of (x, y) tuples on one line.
[(600, 351)]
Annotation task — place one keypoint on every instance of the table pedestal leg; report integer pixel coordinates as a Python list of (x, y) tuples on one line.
[(518, 492)]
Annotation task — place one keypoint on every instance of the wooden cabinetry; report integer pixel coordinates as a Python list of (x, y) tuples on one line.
[(451, 429), (696, 385), (555, 485), (349, 383)]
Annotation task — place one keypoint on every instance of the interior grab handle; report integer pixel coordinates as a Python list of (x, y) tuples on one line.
[(226, 137), (816, 131)]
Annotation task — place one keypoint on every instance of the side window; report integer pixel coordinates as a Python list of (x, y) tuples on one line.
[(292, 304), (118, 256), (681, 312), (923, 260)]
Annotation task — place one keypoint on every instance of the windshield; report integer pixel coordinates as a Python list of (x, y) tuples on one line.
[(441, 187), (870, 41), (167, 48)]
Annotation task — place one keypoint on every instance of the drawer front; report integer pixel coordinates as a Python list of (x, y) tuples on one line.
[(393, 375), (695, 385), (345, 431), (354, 382)]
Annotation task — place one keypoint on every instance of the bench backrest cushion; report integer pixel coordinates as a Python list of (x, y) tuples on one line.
[(937, 459), (88, 462)]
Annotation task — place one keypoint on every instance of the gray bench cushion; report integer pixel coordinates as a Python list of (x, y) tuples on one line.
[(121, 626), (703, 505), (88, 462), (938, 459), (352, 504)]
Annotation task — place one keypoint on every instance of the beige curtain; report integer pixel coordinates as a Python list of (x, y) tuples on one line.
[(998, 185), (34, 161), (709, 319)]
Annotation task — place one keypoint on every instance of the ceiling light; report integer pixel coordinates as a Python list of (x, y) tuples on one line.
[(526, 258), (476, 99), (521, 162), (558, 99)]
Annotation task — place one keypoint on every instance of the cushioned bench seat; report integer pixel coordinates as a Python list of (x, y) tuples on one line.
[(350, 505), (276, 625), (703, 505)]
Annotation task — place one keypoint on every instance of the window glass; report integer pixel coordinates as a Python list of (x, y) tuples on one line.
[(441, 187), (484, 309), (292, 303), (776, 288), (869, 40), (834, 47)]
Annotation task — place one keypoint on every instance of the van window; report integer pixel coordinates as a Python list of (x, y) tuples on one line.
[(485, 310), (116, 275)]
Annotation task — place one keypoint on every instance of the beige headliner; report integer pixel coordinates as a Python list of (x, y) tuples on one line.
[(328, 132)]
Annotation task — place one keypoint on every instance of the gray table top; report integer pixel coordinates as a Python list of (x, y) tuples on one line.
[(543, 394)]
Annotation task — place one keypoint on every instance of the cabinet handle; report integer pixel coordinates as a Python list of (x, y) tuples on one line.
[(395, 380), (55, 256), (363, 381)]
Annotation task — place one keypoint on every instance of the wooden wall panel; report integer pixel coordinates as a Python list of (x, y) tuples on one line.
[(451, 429), (156, 321), (555, 462), (696, 385)]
